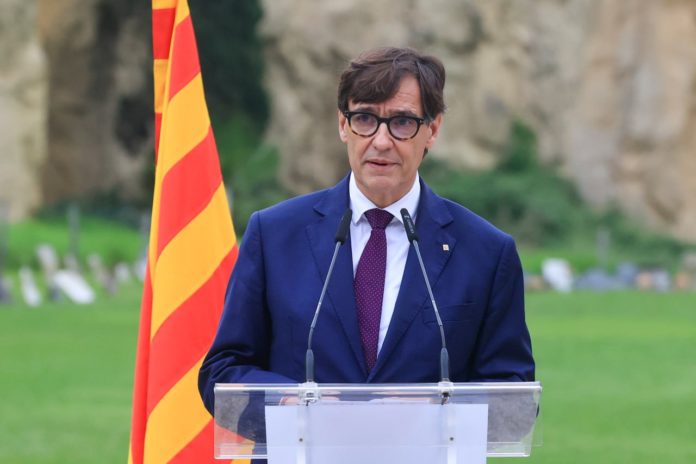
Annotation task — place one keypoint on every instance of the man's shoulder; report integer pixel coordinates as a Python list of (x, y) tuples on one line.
[(292, 205), (299, 209)]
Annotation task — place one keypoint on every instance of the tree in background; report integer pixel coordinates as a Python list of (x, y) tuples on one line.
[(232, 63), (232, 60)]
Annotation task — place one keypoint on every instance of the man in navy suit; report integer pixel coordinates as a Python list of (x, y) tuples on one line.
[(390, 108)]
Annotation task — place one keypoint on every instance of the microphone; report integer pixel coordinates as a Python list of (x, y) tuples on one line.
[(341, 236), (413, 238)]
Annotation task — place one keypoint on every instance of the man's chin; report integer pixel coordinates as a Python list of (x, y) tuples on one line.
[(380, 184)]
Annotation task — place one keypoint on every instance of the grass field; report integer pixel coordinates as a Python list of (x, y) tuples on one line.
[(619, 376), (618, 370)]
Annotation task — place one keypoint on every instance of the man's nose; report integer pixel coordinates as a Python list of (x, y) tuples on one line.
[(382, 139)]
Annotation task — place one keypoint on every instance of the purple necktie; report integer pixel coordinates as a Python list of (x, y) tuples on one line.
[(369, 283)]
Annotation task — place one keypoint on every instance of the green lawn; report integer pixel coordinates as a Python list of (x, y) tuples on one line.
[(619, 376), (66, 377), (618, 369)]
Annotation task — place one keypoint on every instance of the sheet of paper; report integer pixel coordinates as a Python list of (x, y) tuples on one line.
[(350, 432)]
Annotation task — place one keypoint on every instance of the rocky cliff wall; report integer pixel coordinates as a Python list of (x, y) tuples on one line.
[(23, 87), (100, 118), (609, 88)]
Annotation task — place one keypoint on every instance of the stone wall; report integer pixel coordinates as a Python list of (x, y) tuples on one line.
[(100, 119), (630, 134), (23, 85), (609, 88)]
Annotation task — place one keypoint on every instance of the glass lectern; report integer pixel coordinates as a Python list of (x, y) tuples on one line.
[(309, 423)]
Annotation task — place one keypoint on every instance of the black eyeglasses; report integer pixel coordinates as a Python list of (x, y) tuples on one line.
[(367, 124)]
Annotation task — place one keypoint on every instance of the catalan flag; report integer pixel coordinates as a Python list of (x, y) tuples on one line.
[(191, 254)]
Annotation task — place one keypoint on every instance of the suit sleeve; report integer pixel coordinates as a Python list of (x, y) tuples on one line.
[(504, 350), (240, 351)]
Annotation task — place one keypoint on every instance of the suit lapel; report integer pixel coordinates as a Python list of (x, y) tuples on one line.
[(340, 290), (431, 220)]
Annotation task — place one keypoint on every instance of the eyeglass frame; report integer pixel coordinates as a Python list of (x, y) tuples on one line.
[(420, 121)]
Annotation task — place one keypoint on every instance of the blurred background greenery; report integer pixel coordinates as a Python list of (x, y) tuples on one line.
[(618, 368), (531, 200)]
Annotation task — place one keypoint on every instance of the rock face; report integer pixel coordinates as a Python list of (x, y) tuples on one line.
[(22, 108), (609, 88), (100, 119), (635, 144)]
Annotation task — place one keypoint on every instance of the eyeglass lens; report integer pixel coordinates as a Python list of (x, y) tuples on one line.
[(401, 127)]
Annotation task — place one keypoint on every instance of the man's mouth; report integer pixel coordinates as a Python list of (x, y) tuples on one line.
[(379, 162)]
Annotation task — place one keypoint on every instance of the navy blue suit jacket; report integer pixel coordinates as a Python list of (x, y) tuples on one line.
[(276, 282)]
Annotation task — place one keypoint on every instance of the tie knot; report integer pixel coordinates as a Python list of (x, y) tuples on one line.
[(378, 218)]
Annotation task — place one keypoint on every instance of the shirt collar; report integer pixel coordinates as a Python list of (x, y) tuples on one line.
[(359, 203)]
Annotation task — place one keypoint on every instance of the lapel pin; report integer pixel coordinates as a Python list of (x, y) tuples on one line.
[(445, 247)]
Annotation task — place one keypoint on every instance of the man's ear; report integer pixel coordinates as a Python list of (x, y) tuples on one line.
[(342, 127), (434, 128)]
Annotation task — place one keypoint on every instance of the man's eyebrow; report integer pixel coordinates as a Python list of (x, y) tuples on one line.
[(365, 107), (373, 109), (403, 113)]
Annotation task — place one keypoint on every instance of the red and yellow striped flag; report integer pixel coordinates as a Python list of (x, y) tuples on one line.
[(191, 254)]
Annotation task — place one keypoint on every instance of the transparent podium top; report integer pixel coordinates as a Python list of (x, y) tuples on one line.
[(253, 419)]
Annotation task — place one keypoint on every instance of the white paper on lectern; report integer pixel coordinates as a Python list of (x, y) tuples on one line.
[(350, 432)]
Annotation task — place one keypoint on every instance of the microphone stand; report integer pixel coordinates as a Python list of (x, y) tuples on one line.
[(311, 392), (445, 383)]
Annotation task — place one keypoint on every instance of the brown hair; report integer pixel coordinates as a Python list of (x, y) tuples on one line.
[(375, 76)]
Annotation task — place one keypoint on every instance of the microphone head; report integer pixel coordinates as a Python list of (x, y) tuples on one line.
[(408, 225), (342, 232)]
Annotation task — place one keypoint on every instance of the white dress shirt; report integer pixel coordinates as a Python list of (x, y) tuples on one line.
[(397, 243)]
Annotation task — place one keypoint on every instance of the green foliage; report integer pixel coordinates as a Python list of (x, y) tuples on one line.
[(232, 66), (231, 59), (108, 205), (581, 256), (544, 211), (521, 196), (520, 153), (112, 240), (249, 168), (627, 235)]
